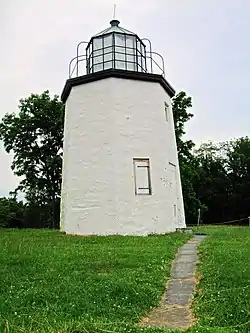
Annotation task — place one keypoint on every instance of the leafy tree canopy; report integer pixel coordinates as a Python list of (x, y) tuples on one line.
[(35, 137)]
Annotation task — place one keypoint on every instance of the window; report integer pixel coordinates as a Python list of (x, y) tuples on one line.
[(142, 176), (166, 111)]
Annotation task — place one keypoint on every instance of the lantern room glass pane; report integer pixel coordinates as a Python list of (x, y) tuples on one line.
[(130, 41), (97, 68), (108, 57), (120, 56), (97, 43), (120, 40), (120, 49), (108, 49), (98, 59), (130, 58), (107, 41), (131, 66), (120, 65), (98, 52), (130, 51), (108, 65)]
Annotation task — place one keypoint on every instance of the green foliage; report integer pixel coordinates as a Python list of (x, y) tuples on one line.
[(224, 180), (237, 165), (216, 177), (223, 298), (35, 137), (187, 161), (180, 105), (11, 213), (51, 282)]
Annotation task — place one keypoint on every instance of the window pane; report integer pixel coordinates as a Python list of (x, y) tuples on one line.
[(130, 51), (119, 49), (107, 40), (120, 40), (97, 43), (131, 58), (131, 67), (119, 56), (108, 49), (130, 41), (98, 52), (120, 65), (98, 59), (108, 65), (108, 56), (97, 68)]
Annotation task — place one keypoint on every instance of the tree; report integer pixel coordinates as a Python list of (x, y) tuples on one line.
[(224, 180), (213, 183), (187, 161), (35, 136), (11, 213), (238, 169), (180, 104)]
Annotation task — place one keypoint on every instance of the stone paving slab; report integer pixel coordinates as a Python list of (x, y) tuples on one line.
[(186, 258), (189, 246), (183, 270), (179, 292), (174, 311), (187, 252)]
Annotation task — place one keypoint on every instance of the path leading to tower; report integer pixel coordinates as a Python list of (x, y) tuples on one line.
[(174, 311)]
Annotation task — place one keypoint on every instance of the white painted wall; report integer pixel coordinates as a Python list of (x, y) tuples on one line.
[(107, 124)]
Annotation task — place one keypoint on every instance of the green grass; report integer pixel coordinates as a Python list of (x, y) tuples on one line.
[(52, 283), (223, 304)]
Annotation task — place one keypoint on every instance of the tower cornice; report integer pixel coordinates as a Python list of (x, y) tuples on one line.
[(123, 74)]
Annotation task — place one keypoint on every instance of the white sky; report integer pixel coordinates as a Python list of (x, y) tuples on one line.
[(205, 44)]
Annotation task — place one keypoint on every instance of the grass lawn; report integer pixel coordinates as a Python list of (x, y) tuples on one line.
[(53, 283), (223, 303)]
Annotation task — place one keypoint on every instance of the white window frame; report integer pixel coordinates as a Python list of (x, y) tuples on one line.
[(140, 163)]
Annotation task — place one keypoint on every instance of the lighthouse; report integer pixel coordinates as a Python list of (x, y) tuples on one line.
[(120, 170)]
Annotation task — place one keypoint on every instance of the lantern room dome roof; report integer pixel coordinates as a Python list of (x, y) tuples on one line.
[(114, 28)]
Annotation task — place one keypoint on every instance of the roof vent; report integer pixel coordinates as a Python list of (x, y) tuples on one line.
[(114, 23)]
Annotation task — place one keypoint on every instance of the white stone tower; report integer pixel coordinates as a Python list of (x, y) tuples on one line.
[(120, 166)]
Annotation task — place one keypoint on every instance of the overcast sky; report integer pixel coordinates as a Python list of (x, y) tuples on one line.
[(205, 44)]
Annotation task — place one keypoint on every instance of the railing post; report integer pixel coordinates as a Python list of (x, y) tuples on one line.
[(77, 55)]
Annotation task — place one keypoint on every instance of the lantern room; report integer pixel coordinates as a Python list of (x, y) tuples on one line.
[(116, 48)]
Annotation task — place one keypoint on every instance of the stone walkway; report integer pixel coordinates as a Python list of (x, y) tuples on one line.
[(174, 311)]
